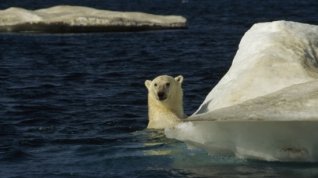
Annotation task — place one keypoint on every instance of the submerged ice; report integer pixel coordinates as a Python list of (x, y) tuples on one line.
[(265, 107)]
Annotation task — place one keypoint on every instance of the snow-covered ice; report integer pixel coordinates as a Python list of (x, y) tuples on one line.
[(266, 106)]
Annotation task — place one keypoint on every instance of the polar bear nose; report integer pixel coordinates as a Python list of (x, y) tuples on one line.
[(161, 95)]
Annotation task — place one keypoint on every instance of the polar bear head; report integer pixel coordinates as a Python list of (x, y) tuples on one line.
[(164, 87)]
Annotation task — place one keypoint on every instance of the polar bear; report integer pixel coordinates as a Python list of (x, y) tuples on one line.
[(165, 101)]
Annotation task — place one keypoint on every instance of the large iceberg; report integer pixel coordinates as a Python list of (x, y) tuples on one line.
[(271, 56), (83, 19), (266, 106)]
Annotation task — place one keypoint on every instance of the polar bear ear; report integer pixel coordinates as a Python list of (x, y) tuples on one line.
[(147, 83), (179, 79)]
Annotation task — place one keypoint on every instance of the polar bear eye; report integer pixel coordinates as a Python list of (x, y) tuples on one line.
[(155, 84), (167, 84)]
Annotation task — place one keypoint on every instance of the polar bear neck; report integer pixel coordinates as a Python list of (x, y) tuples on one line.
[(173, 104)]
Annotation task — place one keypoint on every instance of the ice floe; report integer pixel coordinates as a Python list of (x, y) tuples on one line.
[(266, 106), (83, 19)]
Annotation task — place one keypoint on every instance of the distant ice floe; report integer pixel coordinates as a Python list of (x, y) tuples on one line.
[(83, 19), (266, 106)]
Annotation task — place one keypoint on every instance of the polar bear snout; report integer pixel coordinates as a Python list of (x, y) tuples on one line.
[(162, 95)]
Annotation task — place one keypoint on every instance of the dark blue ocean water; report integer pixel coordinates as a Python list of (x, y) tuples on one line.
[(74, 105)]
